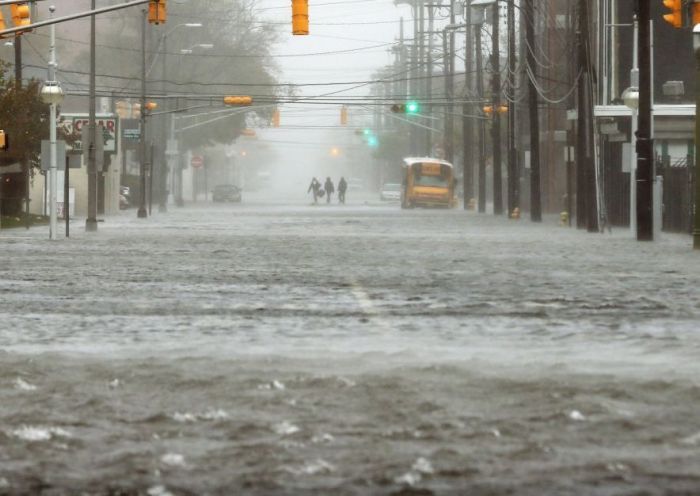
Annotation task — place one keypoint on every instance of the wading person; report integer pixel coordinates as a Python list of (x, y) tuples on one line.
[(329, 189), (342, 188), (314, 188)]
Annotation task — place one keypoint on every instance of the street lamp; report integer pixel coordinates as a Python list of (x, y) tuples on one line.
[(52, 94), (168, 121)]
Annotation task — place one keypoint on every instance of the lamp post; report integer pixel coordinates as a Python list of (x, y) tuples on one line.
[(52, 94), (168, 119), (177, 184), (696, 220)]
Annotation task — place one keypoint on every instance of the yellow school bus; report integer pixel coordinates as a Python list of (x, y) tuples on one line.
[(427, 182)]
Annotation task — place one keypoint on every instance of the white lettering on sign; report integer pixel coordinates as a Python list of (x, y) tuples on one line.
[(78, 122)]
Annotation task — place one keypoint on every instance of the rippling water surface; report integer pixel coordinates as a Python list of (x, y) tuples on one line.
[(272, 350)]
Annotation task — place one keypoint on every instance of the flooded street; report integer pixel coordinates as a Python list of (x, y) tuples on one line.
[(270, 349)]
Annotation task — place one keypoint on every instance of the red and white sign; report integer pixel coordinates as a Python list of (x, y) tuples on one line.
[(197, 161)]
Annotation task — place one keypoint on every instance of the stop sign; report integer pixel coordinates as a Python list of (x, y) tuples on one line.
[(197, 161)]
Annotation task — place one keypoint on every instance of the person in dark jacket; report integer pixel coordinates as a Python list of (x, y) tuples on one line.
[(315, 188), (342, 188), (329, 189)]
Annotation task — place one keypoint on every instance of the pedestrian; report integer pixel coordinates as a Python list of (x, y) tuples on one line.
[(342, 188), (314, 188), (329, 189)]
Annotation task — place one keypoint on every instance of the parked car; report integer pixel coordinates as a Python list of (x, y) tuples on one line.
[(390, 192), (226, 193)]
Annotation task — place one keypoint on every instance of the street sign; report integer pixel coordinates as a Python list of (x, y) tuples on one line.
[(76, 122), (46, 155), (197, 161)]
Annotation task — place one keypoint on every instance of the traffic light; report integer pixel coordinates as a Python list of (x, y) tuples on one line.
[(157, 12), (150, 106), (4, 141), (20, 15), (2, 23), (501, 109), (238, 100), (366, 132), (300, 17), (373, 141), (411, 107), (276, 118), (675, 17), (343, 116), (695, 13)]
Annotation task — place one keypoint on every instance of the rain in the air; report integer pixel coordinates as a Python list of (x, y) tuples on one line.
[(349, 248)]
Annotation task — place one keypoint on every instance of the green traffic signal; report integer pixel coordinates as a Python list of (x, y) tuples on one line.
[(367, 132), (373, 141), (412, 107)]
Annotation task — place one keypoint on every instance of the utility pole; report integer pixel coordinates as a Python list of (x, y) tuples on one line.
[(513, 172), (482, 122), (91, 222), (428, 72), (415, 73), (645, 144), (163, 169), (535, 201), (142, 213), (496, 102), (449, 61), (581, 152), (467, 113)]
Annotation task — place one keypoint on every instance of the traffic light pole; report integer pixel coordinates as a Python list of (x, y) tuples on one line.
[(142, 213)]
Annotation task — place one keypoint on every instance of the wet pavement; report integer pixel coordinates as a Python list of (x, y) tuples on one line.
[(358, 349)]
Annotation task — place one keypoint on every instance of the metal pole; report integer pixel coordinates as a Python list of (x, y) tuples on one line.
[(151, 177), (53, 170), (535, 202), (66, 196), (91, 222), (645, 145), (428, 107), (142, 213), (482, 122), (496, 99), (634, 76), (72, 17)]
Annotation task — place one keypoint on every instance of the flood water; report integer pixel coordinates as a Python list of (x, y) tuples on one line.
[(360, 350)]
